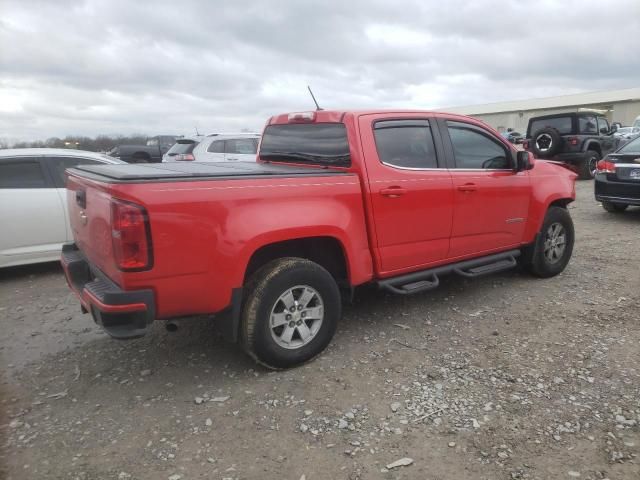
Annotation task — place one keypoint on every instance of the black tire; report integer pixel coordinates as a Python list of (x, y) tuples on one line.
[(263, 295), (140, 158), (587, 168), (614, 207), (536, 259), (546, 142)]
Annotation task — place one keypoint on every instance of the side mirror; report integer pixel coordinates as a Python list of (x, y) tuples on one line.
[(524, 161), (604, 130)]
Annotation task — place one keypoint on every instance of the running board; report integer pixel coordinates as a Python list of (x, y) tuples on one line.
[(424, 280)]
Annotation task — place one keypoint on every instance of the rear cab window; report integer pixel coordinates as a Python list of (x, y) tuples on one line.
[(322, 144), (22, 173)]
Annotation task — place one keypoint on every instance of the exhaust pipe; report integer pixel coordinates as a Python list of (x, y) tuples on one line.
[(171, 327)]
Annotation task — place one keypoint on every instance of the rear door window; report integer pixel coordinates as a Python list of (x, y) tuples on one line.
[(473, 149), (242, 146), (587, 124), (22, 173), (405, 144), (216, 146)]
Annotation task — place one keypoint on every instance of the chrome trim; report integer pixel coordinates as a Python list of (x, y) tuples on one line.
[(627, 165), (451, 169), (413, 168), (482, 170), (618, 199)]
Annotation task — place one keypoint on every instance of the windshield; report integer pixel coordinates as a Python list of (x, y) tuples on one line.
[(313, 143), (632, 147)]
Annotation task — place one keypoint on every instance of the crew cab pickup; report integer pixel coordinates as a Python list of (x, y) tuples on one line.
[(336, 200)]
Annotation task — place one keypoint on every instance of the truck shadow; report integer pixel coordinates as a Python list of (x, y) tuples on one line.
[(22, 271)]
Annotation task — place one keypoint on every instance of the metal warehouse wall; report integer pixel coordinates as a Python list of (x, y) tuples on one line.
[(623, 112)]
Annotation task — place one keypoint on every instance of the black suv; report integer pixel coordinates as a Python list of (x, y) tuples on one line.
[(579, 139)]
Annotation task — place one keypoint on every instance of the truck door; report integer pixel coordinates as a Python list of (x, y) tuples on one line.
[(491, 200), (410, 191)]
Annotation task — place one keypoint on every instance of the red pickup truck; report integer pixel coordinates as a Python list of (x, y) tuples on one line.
[(336, 199)]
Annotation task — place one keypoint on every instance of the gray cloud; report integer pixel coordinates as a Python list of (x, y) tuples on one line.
[(114, 66)]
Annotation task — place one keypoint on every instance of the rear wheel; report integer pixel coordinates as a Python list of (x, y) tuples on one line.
[(554, 245), (291, 312), (614, 207), (587, 168)]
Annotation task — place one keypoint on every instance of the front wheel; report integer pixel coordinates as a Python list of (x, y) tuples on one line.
[(614, 207), (290, 313), (554, 244)]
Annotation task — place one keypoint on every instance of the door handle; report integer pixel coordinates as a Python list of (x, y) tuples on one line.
[(230, 158), (393, 192), (468, 187)]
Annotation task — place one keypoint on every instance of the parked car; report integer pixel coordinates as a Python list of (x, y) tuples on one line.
[(577, 139), (33, 203), (337, 199), (513, 137), (227, 147), (627, 133), (182, 150), (152, 152), (617, 183)]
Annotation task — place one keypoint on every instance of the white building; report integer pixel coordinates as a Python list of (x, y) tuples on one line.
[(619, 106)]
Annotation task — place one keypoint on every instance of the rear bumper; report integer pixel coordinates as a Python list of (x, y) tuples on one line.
[(122, 314), (627, 193)]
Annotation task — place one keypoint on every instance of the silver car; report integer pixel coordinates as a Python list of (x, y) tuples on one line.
[(235, 147), (33, 202)]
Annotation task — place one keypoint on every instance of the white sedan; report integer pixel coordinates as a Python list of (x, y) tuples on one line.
[(33, 202)]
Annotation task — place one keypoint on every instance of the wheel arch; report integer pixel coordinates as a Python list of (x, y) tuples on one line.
[(327, 251), (595, 146)]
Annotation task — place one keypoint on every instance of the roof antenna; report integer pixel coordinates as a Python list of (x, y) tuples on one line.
[(314, 98), (197, 132)]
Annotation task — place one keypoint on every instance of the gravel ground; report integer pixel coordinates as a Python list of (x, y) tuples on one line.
[(502, 377)]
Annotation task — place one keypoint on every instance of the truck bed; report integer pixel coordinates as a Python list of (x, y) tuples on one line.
[(190, 171)]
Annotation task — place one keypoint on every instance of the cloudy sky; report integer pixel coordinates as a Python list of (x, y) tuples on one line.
[(118, 66)]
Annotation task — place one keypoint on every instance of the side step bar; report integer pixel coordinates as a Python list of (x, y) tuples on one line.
[(424, 280)]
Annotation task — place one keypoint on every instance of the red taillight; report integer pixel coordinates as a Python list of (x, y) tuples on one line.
[(185, 157), (131, 236), (572, 141), (606, 166)]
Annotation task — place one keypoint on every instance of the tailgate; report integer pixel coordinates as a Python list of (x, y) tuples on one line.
[(89, 204)]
